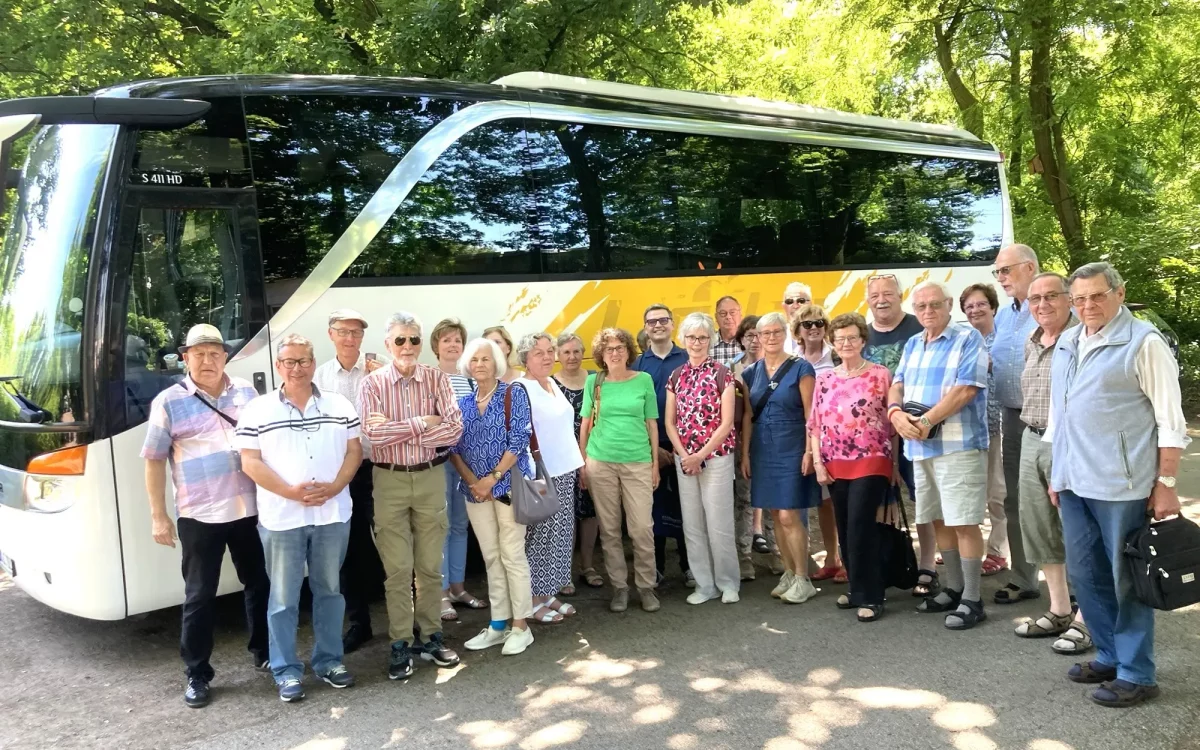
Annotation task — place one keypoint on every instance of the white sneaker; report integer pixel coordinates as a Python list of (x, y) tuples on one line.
[(801, 591), (730, 597), (700, 597), (487, 638), (518, 640), (785, 583)]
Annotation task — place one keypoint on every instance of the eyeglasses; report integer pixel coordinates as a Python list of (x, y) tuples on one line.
[(1051, 297), (770, 333), (206, 356), (977, 306), (1006, 270), (1095, 298), (811, 324), (795, 301), (402, 340), (653, 322), (696, 339), (619, 349), (881, 276), (923, 306), (846, 340), (729, 313), (750, 336), (306, 425), (354, 333), (291, 364)]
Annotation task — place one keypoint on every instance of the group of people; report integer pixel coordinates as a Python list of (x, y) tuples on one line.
[(364, 471)]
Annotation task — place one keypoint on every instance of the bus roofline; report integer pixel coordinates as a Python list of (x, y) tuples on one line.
[(149, 114)]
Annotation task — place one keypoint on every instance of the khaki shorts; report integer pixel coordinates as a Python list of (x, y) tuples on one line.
[(952, 488), (1041, 524)]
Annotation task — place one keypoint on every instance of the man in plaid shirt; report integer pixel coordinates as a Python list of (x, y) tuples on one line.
[(938, 404), (725, 347)]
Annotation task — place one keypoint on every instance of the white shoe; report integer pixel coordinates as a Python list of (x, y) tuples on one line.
[(518, 640), (730, 597), (699, 597), (487, 638), (785, 583), (801, 591)]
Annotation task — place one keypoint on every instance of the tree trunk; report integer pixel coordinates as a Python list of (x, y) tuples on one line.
[(1016, 155), (1048, 137), (968, 104)]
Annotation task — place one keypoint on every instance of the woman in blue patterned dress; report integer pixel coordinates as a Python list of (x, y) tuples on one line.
[(490, 448), (775, 452)]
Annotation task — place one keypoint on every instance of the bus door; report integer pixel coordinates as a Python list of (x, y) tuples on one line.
[(184, 256)]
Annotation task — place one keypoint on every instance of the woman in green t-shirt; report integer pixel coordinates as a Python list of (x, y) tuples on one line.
[(618, 437)]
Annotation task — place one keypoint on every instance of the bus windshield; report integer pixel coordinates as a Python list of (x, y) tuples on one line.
[(43, 273)]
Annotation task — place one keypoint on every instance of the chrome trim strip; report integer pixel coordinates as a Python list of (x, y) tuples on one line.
[(414, 164), (1008, 235)]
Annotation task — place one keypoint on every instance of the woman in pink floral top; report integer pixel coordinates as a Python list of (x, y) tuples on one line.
[(699, 421), (855, 455)]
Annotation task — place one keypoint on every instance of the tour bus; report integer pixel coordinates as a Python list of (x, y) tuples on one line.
[(539, 202)]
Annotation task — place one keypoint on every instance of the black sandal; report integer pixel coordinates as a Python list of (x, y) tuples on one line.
[(932, 606), (760, 544), (1086, 674), (1112, 695), (969, 619), (1012, 593), (876, 612), (843, 602), (931, 588)]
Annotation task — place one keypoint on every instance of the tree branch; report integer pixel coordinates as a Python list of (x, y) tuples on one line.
[(324, 8), (190, 22)]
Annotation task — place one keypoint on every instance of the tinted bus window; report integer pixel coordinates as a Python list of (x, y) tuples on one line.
[(620, 200), (208, 153)]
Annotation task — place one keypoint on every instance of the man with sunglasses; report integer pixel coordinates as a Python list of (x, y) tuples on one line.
[(301, 447), (412, 418), (362, 572), (795, 296), (1014, 269)]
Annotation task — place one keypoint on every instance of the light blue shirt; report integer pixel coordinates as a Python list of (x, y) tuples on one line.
[(1013, 328), (929, 371)]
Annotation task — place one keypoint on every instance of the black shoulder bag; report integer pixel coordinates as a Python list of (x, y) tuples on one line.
[(220, 413), (771, 386)]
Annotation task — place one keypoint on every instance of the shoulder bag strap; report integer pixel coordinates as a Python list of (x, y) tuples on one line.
[(220, 413), (596, 396), (533, 443), (772, 385)]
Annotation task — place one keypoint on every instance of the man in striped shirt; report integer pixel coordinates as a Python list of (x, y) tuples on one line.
[(410, 416)]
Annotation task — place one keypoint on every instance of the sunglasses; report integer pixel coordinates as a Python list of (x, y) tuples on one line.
[(402, 340), (811, 324), (795, 301)]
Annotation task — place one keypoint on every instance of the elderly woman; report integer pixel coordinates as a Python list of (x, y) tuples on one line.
[(775, 454), (447, 341), (854, 453), (500, 336), (700, 415), (548, 544), (747, 338), (809, 326), (619, 439), (980, 303), (763, 537), (492, 445), (571, 378)]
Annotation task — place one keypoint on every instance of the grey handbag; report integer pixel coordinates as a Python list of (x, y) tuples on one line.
[(533, 500)]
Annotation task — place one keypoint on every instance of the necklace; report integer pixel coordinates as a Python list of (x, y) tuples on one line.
[(481, 399), (861, 366)]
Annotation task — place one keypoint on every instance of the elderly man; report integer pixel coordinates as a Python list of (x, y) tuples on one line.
[(1117, 430), (1041, 526), (938, 404), (1014, 268), (725, 347), (191, 425), (412, 419), (362, 573), (660, 359), (301, 447), (795, 296)]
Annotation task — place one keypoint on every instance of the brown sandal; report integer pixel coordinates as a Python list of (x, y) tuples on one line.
[(1055, 625)]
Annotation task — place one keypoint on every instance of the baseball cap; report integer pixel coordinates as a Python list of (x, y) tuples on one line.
[(203, 333), (346, 313)]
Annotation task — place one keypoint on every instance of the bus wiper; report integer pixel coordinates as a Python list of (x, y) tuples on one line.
[(27, 410)]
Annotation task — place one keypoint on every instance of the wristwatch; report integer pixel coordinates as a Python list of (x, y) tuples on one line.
[(497, 475), (1168, 482), (924, 420)]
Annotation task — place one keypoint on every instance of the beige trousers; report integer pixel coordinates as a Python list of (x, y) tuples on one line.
[(502, 542), (616, 487)]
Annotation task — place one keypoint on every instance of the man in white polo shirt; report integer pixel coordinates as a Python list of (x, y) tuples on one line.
[(301, 447)]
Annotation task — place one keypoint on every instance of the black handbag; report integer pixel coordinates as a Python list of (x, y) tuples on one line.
[(1163, 559), (916, 409), (896, 553)]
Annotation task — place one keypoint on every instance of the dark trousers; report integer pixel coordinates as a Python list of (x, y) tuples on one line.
[(362, 571), (668, 520), (855, 503), (1021, 572), (204, 547)]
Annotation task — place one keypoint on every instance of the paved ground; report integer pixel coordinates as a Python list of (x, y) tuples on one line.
[(752, 675)]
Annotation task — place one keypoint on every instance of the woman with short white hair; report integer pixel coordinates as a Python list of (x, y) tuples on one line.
[(699, 422), (495, 440), (548, 545)]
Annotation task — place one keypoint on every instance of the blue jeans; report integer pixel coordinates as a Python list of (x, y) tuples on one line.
[(1122, 626), (323, 548), (454, 552)]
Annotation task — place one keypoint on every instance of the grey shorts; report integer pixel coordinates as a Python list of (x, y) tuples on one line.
[(952, 488), (1041, 524)]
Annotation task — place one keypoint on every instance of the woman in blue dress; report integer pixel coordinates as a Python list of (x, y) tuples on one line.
[(775, 452)]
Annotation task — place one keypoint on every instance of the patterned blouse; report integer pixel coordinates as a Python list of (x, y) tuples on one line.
[(698, 392), (484, 438), (849, 415)]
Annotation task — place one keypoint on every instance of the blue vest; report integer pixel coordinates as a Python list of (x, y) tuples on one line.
[(1105, 442)]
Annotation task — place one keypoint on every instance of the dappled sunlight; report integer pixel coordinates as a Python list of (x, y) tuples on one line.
[(785, 743), (973, 741), (598, 668), (656, 714), (959, 717), (557, 696), (683, 741), (771, 630), (485, 734), (321, 742), (398, 736), (1049, 745), (826, 676), (337, 712), (708, 684), (562, 733), (889, 697), (445, 674)]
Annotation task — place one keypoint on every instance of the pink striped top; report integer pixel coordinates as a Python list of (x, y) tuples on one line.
[(404, 438)]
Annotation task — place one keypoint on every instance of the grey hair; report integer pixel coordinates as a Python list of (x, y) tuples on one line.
[(1089, 270), (293, 339), (473, 347), (697, 320), (807, 289), (528, 342), (772, 317), (1027, 255), (566, 338), (1052, 275), (405, 319), (931, 284)]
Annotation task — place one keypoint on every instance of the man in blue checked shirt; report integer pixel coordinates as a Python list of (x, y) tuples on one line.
[(938, 404)]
